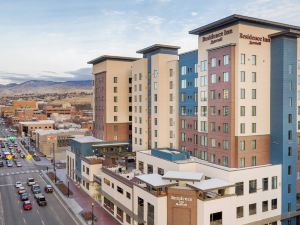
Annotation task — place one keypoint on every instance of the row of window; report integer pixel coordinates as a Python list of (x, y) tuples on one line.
[(253, 208), (239, 187), (119, 189), (185, 69)]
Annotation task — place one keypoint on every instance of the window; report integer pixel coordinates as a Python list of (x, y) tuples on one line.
[(242, 145), (216, 218), (155, 85), (213, 62), (128, 195), (290, 67), (115, 108), (226, 59), (203, 81), (265, 184), (253, 59), (253, 127), (226, 77), (290, 118), (225, 127), (252, 186), (253, 161), (213, 78), (253, 77), (225, 144), (289, 208), (115, 80), (225, 93), (253, 93), (289, 170), (213, 94), (160, 171), (183, 70), (155, 73), (274, 203), (225, 160), (291, 102), (242, 128), (242, 93), (239, 188), (120, 190), (106, 181), (242, 111), (196, 82), (265, 206), (149, 169), (203, 110), (252, 209), (289, 151), (289, 188), (243, 58), (253, 144), (88, 171), (128, 219), (242, 162), (150, 214), (115, 99), (196, 68), (204, 65), (115, 89), (225, 110), (120, 214), (115, 118), (239, 212), (183, 84), (203, 96), (242, 76), (253, 110), (274, 182), (290, 136)]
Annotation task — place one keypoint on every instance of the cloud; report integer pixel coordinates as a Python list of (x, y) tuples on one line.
[(154, 20), (79, 74), (107, 12), (194, 13)]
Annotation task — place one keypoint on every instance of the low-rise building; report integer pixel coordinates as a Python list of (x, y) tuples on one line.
[(47, 141), (171, 187), (27, 128)]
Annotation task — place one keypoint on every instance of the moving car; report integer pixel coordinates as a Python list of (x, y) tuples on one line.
[(35, 189), (18, 184), (24, 196), (27, 205), (21, 190), (48, 189), (30, 181), (19, 164), (9, 163), (41, 200)]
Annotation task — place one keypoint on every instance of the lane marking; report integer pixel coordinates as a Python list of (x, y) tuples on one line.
[(43, 222), (24, 220)]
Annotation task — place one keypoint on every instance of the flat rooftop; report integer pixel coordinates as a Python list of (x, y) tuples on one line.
[(111, 57), (86, 139), (182, 175), (60, 131), (235, 18), (156, 47), (210, 184), (155, 180), (37, 122)]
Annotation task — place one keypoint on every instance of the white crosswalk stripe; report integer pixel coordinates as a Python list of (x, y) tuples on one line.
[(19, 172)]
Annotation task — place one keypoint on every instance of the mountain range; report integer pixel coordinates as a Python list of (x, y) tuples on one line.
[(45, 87)]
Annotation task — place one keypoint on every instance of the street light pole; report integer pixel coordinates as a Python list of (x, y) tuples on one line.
[(54, 168), (92, 213), (68, 189)]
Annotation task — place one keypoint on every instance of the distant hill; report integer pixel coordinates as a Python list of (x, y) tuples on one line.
[(45, 87)]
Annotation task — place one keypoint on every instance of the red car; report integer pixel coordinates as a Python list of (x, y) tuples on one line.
[(27, 205)]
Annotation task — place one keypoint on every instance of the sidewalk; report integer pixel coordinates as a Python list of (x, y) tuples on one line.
[(85, 201)]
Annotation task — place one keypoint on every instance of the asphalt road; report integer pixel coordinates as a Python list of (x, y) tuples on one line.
[(11, 210)]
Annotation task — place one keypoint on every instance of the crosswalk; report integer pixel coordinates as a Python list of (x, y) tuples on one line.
[(19, 172)]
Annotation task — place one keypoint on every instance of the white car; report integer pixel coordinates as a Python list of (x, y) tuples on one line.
[(30, 181), (18, 184), (19, 164)]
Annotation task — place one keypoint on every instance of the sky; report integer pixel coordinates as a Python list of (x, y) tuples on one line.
[(54, 39)]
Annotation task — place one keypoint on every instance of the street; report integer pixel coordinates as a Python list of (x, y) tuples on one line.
[(11, 210)]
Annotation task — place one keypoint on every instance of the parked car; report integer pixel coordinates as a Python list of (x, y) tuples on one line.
[(19, 164), (1, 163), (30, 181), (27, 205)]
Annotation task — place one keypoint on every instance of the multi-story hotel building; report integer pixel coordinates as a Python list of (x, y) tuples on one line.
[(155, 98), (250, 113), (241, 98), (188, 102), (112, 97)]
